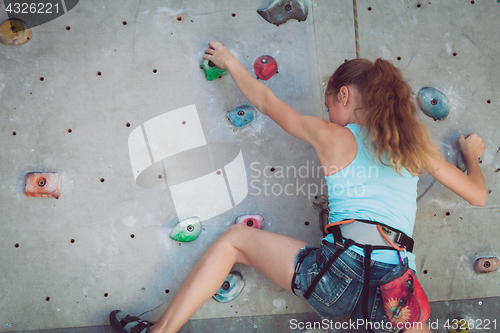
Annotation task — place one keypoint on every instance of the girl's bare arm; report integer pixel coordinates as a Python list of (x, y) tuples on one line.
[(308, 128), (470, 186)]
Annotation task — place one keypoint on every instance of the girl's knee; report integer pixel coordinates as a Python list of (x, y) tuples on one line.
[(237, 236), (235, 230)]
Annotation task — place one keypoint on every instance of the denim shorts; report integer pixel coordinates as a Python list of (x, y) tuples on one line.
[(339, 292)]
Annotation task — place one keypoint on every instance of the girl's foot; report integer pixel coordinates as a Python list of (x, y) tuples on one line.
[(122, 322)]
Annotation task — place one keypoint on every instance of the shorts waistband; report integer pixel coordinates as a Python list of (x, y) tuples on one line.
[(356, 256)]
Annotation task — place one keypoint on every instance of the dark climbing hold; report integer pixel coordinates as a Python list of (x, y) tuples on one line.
[(458, 325), (251, 220), (265, 67), (461, 162), (211, 71), (486, 265), (231, 288), (433, 103), (281, 11), (241, 116)]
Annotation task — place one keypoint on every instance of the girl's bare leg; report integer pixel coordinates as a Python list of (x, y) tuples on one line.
[(272, 254)]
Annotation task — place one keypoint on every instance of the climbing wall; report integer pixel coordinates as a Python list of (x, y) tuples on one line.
[(94, 92)]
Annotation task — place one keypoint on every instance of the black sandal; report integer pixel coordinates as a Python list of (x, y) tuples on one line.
[(122, 322)]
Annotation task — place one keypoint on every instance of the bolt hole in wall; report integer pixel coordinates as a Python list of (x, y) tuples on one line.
[(41, 181), (132, 236), (102, 180), (124, 22), (306, 222), (72, 240), (105, 294), (99, 73), (68, 27), (127, 124)]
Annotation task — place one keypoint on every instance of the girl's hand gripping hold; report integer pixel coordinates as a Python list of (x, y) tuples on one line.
[(472, 147), (218, 54)]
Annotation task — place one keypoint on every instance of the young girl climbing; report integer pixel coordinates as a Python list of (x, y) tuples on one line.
[(374, 135)]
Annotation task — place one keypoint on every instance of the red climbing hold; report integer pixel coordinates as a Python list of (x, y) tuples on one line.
[(486, 265), (265, 67), (43, 184)]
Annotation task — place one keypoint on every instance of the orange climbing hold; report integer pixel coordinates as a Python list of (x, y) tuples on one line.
[(14, 32), (43, 184), (486, 265)]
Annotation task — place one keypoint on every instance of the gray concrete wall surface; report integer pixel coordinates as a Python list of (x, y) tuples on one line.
[(72, 96)]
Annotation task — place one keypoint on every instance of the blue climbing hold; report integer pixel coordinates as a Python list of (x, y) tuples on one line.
[(231, 288), (241, 116), (433, 103)]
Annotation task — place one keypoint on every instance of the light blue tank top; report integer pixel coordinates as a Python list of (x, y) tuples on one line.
[(366, 189)]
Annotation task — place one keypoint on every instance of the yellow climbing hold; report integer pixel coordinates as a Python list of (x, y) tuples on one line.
[(15, 32)]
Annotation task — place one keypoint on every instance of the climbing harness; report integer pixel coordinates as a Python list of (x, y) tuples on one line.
[(404, 299)]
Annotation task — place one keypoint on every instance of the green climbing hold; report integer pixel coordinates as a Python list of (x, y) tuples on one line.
[(187, 230), (211, 71)]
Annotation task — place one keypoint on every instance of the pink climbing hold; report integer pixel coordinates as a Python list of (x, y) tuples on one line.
[(486, 265), (251, 220)]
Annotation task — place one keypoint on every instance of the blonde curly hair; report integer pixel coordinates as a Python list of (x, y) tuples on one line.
[(395, 135)]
